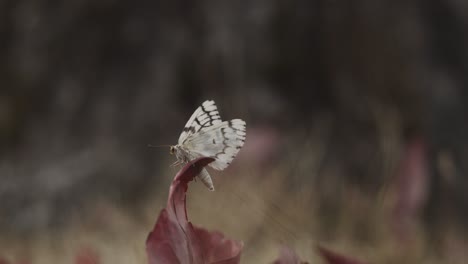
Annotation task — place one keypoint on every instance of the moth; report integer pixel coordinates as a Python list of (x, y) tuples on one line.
[(205, 135)]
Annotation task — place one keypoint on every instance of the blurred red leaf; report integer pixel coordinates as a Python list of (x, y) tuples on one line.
[(87, 256), (4, 261), (335, 258), (411, 188), (175, 240), (288, 256)]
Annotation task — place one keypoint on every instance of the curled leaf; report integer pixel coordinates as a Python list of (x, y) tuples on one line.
[(175, 240)]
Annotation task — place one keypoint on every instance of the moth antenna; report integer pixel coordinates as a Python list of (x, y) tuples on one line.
[(157, 146)]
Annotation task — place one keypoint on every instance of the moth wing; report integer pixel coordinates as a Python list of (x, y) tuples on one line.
[(204, 116), (222, 141)]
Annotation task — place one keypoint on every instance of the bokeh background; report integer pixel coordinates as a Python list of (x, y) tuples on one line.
[(356, 125)]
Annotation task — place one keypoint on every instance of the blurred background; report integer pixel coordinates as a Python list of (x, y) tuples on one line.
[(356, 125)]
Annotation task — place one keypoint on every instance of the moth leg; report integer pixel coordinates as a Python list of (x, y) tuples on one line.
[(176, 163)]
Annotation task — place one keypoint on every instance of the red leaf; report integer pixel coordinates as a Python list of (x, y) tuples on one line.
[(288, 256), (4, 261), (86, 256), (175, 240), (412, 183), (335, 258)]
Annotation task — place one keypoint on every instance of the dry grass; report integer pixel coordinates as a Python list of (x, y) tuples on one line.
[(259, 207)]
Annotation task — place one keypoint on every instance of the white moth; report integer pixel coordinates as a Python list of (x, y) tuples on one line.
[(205, 135)]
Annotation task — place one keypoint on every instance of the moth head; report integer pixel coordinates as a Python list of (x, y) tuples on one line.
[(172, 150)]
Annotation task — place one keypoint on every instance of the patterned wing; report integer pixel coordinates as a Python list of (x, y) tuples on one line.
[(204, 116), (222, 141)]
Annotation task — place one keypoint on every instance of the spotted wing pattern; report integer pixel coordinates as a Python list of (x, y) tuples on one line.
[(204, 116), (222, 141), (205, 135)]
